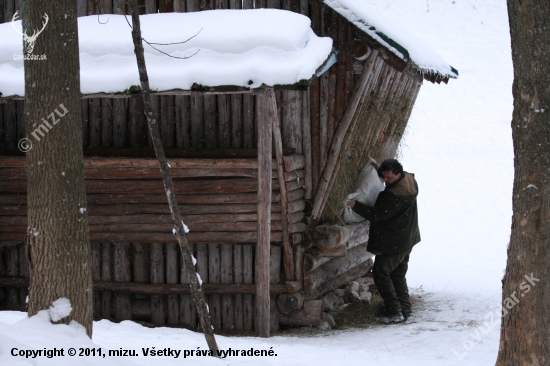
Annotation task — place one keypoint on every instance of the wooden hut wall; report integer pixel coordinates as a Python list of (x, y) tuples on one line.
[(309, 120), (327, 98), (127, 247)]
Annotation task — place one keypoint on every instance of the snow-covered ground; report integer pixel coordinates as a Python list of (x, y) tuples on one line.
[(459, 146)]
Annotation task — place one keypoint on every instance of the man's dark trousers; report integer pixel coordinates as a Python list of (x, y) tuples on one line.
[(389, 276)]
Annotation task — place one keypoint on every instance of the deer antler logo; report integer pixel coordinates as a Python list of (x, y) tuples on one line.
[(29, 40)]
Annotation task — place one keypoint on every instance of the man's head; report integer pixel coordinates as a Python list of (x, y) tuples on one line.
[(391, 170)]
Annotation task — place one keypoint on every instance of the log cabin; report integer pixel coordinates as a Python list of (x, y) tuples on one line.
[(225, 148)]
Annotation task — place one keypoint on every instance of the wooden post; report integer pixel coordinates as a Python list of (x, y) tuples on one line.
[(264, 128), (326, 177), (272, 115)]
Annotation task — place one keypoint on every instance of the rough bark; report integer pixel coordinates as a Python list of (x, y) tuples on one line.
[(525, 330), (58, 238)]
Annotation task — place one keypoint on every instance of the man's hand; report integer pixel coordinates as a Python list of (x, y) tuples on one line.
[(351, 203), (375, 165)]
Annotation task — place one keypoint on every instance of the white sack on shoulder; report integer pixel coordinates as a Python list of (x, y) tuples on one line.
[(367, 187)]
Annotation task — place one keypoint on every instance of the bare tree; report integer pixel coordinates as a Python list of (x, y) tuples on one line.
[(179, 227), (525, 329), (58, 238)]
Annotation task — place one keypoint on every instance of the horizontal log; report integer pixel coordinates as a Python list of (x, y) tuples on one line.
[(120, 198), (171, 153), (295, 174), (340, 280), (294, 162), (298, 227), (295, 195), (315, 257), (156, 219), (290, 302), (158, 289), (296, 238), (295, 184), (295, 217), (336, 267), (311, 314), (230, 185), (193, 237), (10, 214), (329, 237), (126, 162), (183, 199), (296, 206), (143, 173), (293, 286), (160, 227)]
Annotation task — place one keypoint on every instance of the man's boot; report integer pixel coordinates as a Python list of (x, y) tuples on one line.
[(391, 315)]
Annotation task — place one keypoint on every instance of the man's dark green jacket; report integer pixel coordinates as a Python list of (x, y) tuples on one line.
[(394, 217)]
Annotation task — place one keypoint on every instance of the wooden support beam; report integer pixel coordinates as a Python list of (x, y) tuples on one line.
[(144, 162), (326, 177), (220, 237), (264, 128), (11, 214), (104, 186), (158, 289), (161, 223), (287, 247)]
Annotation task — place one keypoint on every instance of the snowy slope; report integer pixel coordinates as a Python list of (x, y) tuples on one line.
[(459, 146)]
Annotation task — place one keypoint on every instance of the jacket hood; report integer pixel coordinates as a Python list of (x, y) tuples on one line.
[(405, 187)]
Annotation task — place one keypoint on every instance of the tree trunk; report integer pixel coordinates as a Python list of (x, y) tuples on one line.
[(57, 235), (525, 331), (179, 227)]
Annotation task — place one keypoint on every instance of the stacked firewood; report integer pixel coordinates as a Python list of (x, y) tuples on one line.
[(334, 257)]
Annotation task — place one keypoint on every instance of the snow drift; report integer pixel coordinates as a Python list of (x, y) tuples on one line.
[(245, 48)]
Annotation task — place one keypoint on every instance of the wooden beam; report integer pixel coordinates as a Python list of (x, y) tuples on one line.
[(287, 247), (148, 163), (104, 186), (264, 128), (159, 289), (220, 237), (161, 220), (326, 176)]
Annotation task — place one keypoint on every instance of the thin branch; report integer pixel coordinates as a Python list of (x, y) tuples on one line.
[(181, 58), (167, 44), (125, 15)]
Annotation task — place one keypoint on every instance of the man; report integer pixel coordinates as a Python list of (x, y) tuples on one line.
[(393, 233)]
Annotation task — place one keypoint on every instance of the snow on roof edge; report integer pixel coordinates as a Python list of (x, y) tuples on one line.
[(355, 12), (244, 48)]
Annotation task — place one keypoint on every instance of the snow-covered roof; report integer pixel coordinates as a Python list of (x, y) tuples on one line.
[(392, 36), (245, 48)]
